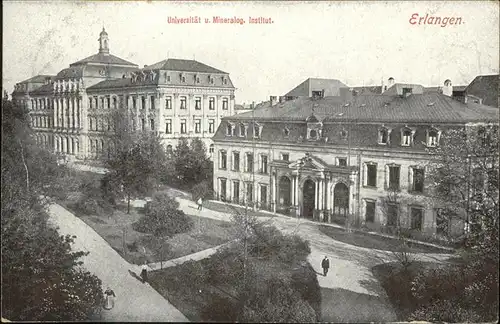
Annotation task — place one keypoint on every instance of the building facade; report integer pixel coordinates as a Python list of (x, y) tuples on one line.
[(340, 158), (71, 112)]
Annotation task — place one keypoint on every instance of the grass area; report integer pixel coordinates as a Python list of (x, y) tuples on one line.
[(370, 241), (192, 288), (230, 209), (116, 229)]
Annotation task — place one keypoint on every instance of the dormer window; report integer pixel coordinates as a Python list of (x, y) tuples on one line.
[(243, 130), (343, 134), (407, 136), (229, 129), (286, 131), (407, 92), (433, 136), (210, 79), (257, 130), (313, 134), (224, 81), (384, 135)]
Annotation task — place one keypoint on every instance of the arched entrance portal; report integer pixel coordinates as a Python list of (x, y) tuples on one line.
[(341, 200), (285, 195), (308, 203)]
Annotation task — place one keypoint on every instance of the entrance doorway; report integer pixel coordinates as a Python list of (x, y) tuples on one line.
[(341, 200), (308, 203)]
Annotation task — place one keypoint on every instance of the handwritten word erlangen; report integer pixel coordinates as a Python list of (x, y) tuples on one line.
[(416, 19)]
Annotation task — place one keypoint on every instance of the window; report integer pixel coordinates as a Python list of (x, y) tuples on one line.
[(442, 222), (394, 171), (183, 126), (223, 160), (224, 104), (432, 138), (243, 130), (211, 103), (416, 218), (211, 80), (134, 102), (236, 191), (183, 103), (249, 164), (211, 149), (197, 103), (263, 164), (90, 103), (168, 103), (143, 102), (152, 101), (406, 137), (211, 126), (197, 80), (90, 124), (313, 134), (114, 102), (407, 92), (342, 162), (256, 130), (370, 211), (197, 126), (383, 136), (152, 124), (249, 192), (102, 102), (392, 215), (108, 101), (285, 156), (168, 126), (223, 188), (286, 131), (417, 180), (143, 124), (224, 80), (183, 79), (343, 134), (263, 194), (229, 130), (236, 161), (168, 78), (371, 175)]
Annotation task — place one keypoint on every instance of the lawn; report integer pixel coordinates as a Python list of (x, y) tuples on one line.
[(116, 229), (230, 209), (371, 241)]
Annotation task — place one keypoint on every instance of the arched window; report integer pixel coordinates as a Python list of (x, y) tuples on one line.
[(211, 149), (313, 134), (384, 135), (433, 136)]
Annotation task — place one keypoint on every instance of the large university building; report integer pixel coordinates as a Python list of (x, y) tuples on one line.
[(328, 158), (71, 111)]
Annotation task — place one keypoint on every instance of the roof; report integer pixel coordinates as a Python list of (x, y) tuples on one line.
[(331, 87), (121, 83), (239, 107), (74, 72), (37, 78), (430, 107), (183, 65), (486, 88), (103, 58), (46, 88), (397, 88), (364, 90)]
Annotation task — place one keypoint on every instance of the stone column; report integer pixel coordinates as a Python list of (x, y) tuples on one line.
[(274, 184), (296, 190), (55, 105), (321, 198)]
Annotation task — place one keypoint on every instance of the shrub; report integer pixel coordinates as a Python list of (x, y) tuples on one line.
[(220, 309), (92, 201), (162, 218), (274, 301), (202, 190), (305, 281), (225, 266)]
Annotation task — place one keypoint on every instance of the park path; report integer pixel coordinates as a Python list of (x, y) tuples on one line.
[(135, 301)]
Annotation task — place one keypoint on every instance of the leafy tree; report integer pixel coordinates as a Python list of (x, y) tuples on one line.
[(192, 164), (41, 277), (137, 160)]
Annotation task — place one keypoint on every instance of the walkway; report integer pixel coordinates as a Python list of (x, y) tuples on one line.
[(135, 301)]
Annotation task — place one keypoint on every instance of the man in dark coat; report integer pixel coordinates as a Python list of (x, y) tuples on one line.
[(325, 264)]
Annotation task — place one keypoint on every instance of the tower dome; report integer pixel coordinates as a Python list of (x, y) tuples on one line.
[(103, 42)]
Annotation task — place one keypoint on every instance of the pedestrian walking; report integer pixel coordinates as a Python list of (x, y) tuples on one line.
[(200, 203), (144, 272), (325, 264), (110, 298)]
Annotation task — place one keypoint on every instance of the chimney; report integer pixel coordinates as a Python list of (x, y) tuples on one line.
[(448, 88), (273, 100)]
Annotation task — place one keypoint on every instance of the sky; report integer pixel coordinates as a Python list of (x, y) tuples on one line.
[(358, 43)]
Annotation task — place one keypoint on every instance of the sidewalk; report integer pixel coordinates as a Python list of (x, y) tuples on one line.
[(135, 301)]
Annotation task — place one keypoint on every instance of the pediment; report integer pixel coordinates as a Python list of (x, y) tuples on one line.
[(309, 161)]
